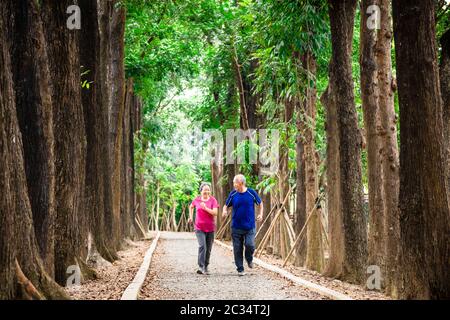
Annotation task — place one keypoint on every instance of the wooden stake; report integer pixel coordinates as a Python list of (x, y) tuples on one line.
[(272, 210), (322, 223), (224, 227), (263, 242), (300, 236), (267, 235)]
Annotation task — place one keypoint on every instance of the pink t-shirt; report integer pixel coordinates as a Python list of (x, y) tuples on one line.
[(203, 220)]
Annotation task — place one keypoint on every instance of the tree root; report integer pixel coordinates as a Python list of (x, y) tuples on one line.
[(87, 272), (127, 243), (96, 257), (44, 287), (27, 290)]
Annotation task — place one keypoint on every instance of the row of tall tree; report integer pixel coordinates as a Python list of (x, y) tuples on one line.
[(405, 232), (359, 93), (67, 128)]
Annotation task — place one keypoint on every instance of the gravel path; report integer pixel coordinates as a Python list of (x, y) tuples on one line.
[(172, 276)]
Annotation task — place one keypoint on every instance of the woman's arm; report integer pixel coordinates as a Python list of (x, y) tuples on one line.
[(212, 212), (191, 213)]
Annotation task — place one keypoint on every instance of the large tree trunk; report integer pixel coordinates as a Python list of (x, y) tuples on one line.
[(423, 203), (284, 161), (19, 253), (278, 240), (106, 22), (300, 190), (63, 56), (444, 73), (127, 193), (315, 254), (96, 119), (135, 122), (141, 196), (34, 111), (257, 171), (217, 188), (390, 157), (217, 166), (333, 187), (251, 97), (230, 172), (116, 111), (244, 123), (370, 95), (342, 15)]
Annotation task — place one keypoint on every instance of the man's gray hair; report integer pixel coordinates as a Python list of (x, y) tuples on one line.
[(240, 178)]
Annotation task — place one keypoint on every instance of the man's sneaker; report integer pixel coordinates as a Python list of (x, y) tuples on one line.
[(250, 265), (206, 271), (200, 271), (241, 273)]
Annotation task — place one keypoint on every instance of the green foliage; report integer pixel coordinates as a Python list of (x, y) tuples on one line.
[(182, 54)]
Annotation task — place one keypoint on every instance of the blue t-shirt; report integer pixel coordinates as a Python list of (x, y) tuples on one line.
[(243, 216)]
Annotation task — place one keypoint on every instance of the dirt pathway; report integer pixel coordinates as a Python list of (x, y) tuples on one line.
[(113, 279)]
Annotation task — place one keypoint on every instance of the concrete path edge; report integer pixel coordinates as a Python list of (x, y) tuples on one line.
[(133, 289)]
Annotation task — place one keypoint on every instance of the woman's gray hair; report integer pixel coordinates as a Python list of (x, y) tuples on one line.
[(203, 184)]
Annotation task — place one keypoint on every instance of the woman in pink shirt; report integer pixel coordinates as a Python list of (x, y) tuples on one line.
[(205, 224)]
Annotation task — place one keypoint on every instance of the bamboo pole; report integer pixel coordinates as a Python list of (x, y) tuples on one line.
[(158, 205), (182, 218), (174, 216), (290, 238), (168, 220), (267, 235), (302, 232), (138, 223), (265, 220), (283, 235), (322, 223), (271, 211), (272, 225), (224, 227), (289, 227)]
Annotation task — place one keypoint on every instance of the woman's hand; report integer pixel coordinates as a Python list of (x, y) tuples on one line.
[(203, 205), (191, 214)]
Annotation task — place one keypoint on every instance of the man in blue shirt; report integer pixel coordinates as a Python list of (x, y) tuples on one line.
[(243, 227)]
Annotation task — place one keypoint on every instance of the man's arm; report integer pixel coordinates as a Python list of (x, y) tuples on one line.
[(224, 211), (228, 203), (261, 210)]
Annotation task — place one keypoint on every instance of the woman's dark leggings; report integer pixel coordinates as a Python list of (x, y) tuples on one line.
[(205, 242)]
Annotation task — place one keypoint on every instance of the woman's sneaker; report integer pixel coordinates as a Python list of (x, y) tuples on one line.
[(206, 271), (241, 273)]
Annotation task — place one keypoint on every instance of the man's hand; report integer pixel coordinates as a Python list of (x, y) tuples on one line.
[(261, 210), (224, 212)]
